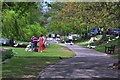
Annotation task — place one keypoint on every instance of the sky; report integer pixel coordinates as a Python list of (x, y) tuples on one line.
[(45, 7)]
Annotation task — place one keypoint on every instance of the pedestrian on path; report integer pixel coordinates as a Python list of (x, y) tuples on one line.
[(41, 43), (70, 39)]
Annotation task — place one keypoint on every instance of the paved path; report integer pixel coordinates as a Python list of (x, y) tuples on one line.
[(87, 63)]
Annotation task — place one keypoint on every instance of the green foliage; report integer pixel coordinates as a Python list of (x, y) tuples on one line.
[(79, 17), (37, 16), (35, 30), (64, 39), (21, 20), (20, 7), (13, 25), (7, 54)]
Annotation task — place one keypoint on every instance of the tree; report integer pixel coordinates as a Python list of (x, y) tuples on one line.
[(16, 18), (10, 26), (34, 29), (101, 14), (80, 16)]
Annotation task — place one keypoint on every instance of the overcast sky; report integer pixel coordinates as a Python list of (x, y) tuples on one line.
[(45, 7)]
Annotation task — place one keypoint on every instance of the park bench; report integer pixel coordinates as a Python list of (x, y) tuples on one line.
[(109, 50)]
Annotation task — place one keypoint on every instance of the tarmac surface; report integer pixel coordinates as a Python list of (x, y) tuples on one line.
[(86, 64)]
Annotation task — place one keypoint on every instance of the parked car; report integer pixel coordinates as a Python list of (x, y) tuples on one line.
[(93, 31), (116, 31), (4, 41)]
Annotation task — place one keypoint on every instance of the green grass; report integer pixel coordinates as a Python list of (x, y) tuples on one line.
[(95, 42), (29, 64), (52, 50), (116, 56), (83, 43), (21, 67), (98, 42), (101, 48)]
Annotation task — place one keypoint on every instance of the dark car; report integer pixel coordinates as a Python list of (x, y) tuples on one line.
[(116, 31)]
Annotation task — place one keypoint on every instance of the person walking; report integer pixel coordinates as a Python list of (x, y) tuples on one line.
[(70, 39), (41, 43)]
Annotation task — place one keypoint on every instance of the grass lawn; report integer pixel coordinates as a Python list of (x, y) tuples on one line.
[(83, 43), (29, 64), (101, 47), (116, 42)]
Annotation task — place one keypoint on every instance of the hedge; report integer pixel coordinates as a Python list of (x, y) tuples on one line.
[(7, 54)]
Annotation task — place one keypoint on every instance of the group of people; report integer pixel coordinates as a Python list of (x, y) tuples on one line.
[(41, 41), (34, 41)]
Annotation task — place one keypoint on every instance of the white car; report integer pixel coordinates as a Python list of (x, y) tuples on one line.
[(5, 41)]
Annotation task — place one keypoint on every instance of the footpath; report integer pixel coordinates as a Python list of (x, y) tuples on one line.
[(86, 64)]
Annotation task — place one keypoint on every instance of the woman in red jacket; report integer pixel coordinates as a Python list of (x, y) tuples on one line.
[(41, 43)]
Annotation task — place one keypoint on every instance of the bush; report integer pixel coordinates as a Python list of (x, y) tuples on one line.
[(7, 54), (64, 39), (111, 37)]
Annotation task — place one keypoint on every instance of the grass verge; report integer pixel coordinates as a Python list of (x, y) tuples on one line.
[(29, 64), (84, 42), (116, 42), (101, 48)]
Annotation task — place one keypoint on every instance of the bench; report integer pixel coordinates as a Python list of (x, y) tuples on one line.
[(109, 50)]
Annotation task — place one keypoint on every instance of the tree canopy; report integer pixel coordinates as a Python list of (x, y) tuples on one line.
[(62, 17), (22, 20), (16, 16), (78, 17)]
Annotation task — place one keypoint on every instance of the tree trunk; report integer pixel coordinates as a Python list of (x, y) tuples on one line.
[(11, 42), (103, 40), (80, 35), (86, 36), (104, 35), (86, 33)]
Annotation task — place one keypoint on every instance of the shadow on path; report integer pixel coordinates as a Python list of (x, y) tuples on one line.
[(86, 64)]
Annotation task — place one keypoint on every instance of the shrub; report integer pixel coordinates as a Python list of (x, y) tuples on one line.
[(63, 39), (7, 54)]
